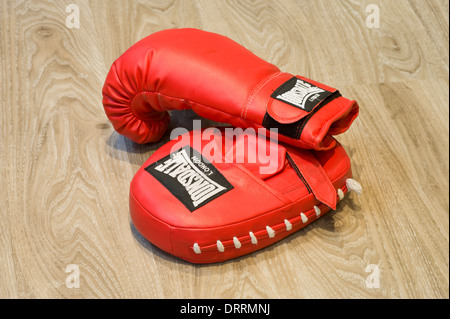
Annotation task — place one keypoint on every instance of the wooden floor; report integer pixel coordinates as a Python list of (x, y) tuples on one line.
[(65, 173)]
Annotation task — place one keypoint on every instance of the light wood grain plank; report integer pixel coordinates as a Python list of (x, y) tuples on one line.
[(65, 173)]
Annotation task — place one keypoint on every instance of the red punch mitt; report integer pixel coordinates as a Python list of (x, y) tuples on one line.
[(222, 81), (220, 198)]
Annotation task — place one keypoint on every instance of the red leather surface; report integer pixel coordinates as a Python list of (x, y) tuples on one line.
[(216, 77), (254, 203)]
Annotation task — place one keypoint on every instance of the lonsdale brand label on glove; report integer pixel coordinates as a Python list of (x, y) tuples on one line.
[(191, 178), (301, 94)]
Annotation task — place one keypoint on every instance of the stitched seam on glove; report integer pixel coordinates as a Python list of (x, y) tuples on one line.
[(181, 100), (255, 91)]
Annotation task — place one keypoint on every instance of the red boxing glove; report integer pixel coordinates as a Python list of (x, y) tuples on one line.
[(206, 208), (222, 81)]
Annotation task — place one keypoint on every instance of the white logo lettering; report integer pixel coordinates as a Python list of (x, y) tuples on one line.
[(300, 93), (73, 19), (373, 19), (73, 279), (373, 280), (241, 146), (191, 173)]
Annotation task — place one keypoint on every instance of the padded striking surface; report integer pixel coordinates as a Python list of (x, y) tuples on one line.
[(231, 201)]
